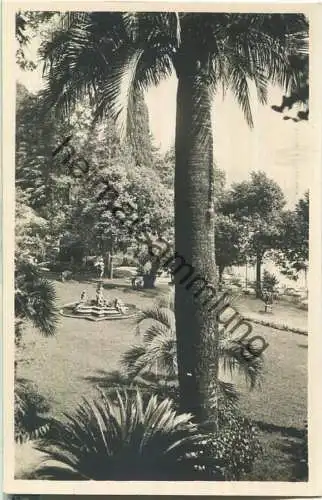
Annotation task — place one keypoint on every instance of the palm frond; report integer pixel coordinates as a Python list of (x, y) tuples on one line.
[(134, 360), (234, 357), (228, 390), (161, 315), (166, 301), (35, 299), (240, 87), (117, 93)]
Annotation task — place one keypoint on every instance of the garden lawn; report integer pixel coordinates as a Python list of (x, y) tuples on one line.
[(79, 358)]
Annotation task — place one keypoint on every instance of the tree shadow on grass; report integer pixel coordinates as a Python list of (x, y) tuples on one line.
[(150, 293), (292, 442), (113, 381), (296, 450), (291, 432)]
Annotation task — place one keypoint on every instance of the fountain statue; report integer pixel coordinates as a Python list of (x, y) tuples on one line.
[(98, 308)]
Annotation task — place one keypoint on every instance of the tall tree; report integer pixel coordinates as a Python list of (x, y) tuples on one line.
[(257, 206), (229, 243), (113, 55), (293, 254)]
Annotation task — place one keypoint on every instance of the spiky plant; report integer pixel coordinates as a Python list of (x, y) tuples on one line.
[(125, 439), (157, 352)]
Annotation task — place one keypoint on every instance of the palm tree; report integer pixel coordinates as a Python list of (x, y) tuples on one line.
[(126, 439), (109, 57), (35, 302), (157, 352), (35, 298)]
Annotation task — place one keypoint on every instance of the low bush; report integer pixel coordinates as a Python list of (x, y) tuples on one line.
[(236, 446), (269, 282), (277, 326), (120, 273), (235, 281), (128, 261), (59, 267)]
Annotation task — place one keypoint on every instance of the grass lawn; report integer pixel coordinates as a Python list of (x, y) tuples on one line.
[(83, 353)]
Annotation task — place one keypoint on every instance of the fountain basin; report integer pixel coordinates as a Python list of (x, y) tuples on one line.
[(90, 311)]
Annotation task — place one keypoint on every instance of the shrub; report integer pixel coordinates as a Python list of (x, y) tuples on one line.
[(236, 281), (120, 273), (235, 446), (126, 439), (269, 282), (129, 261), (29, 406), (58, 266)]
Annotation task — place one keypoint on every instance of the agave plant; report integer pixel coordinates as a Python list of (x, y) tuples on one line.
[(125, 439), (158, 351)]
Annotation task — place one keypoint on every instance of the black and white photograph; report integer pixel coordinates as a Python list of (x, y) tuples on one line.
[(163, 177)]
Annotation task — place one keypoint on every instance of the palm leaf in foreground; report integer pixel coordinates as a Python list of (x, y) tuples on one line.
[(124, 439)]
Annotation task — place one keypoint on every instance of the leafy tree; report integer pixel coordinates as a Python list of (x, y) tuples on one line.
[(293, 254), (114, 54), (257, 206), (228, 239), (30, 230), (45, 181), (28, 25), (116, 221)]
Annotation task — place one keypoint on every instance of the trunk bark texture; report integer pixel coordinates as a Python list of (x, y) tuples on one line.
[(197, 331), (220, 276), (150, 278), (258, 276)]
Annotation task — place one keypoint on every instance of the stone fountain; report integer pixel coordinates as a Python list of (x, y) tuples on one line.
[(99, 308)]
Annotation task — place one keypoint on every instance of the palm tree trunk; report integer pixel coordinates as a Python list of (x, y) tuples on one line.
[(197, 333)]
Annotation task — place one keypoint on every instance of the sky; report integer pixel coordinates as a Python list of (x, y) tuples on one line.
[(282, 148)]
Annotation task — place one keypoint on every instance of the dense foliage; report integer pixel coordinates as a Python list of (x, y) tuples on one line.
[(293, 252), (29, 410), (257, 205)]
